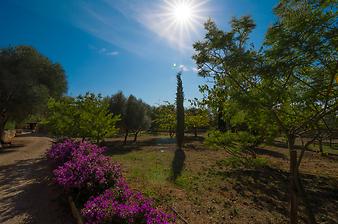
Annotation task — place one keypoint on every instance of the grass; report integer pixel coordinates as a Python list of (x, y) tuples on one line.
[(211, 189)]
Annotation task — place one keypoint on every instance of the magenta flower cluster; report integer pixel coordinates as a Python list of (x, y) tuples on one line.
[(84, 170), (123, 205)]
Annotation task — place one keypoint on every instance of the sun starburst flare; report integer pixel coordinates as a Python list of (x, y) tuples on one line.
[(178, 21)]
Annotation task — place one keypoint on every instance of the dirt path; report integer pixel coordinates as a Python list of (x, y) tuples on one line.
[(27, 194)]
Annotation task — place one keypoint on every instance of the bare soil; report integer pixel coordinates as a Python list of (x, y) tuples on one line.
[(27, 193)]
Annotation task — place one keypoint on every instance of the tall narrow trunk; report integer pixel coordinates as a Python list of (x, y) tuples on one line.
[(195, 131), (293, 202), (125, 137)]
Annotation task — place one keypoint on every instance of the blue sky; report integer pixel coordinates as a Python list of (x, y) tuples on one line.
[(110, 45)]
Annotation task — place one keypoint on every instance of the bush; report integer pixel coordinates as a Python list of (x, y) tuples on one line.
[(98, 186), (218, 139), (61, 152), (237, 144), (122, 205)]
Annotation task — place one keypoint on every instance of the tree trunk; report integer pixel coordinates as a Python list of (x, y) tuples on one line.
[(125, 137), (2, 129), (320, 141), (330, 142), (222, 126), (135, 136), (308, 209), (195, 131), (293, 202)]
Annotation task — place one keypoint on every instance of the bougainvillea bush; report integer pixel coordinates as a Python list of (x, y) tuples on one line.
[(98, 187), (122, 205)]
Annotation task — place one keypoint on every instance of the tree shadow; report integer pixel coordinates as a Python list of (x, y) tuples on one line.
[(267, 188), (117, 147), (10, 148), (261, 151), (27, 193), (177, 164)]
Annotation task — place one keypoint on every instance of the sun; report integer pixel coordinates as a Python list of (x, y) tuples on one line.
[(178, 21), (182, 12)]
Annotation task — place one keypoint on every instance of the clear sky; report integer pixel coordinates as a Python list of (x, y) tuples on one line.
[(129, 45)]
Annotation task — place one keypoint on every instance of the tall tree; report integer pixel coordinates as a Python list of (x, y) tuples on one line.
[(27, 80), (118, 106), (289, 84), (136, 117), (179, 112)]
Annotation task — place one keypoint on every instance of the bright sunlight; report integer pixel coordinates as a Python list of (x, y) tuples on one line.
[(182, 12)]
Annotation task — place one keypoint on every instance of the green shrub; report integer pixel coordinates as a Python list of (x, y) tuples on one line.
[(10, 125)]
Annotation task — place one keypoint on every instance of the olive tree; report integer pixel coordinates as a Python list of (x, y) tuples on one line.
[(136, 117), (27, 80)]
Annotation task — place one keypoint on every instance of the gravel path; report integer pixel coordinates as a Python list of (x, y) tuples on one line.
[(27, 194)]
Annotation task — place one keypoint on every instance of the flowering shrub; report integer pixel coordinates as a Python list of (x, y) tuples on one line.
[(87, 171), (122, 205), (106, 198), (60, 153)]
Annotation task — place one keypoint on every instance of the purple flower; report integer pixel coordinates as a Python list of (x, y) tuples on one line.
[(82, 167), (122, 205)]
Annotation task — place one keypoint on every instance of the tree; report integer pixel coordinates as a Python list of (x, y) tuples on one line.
[(83, 117), (136, 117), (289, 84), (117, 106), (27, 80), (165, 118), (179, 112), (196, 118)]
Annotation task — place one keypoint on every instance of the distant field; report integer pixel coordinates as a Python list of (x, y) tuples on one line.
[(209, 191)]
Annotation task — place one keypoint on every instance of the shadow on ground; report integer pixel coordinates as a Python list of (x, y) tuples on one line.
[(27, 193), (267, 188), (116, 146), (177, 164), (278, 155)]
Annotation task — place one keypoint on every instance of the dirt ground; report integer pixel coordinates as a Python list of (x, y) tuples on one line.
[(208, 192), (27, 194)]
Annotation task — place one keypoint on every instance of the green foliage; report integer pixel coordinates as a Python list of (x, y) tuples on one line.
[(286, 87), (238, 144), (179, 112), (27, 80), (196, 118), (218, 139), (165, 117), (83, 117), (10, 125), (247, 140), (135, 114), (117, 106)]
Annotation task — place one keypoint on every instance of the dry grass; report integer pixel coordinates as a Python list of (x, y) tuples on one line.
[(208, 191)]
